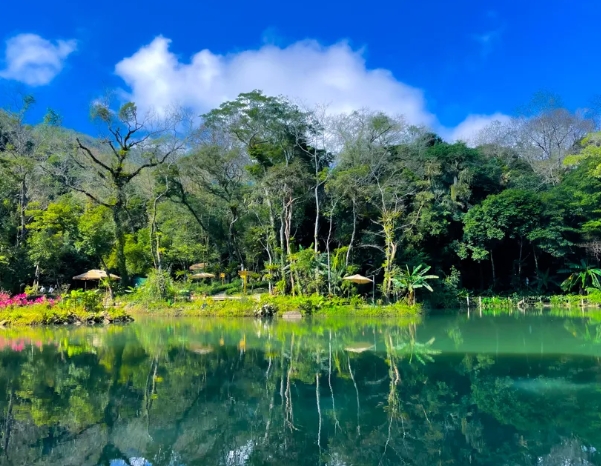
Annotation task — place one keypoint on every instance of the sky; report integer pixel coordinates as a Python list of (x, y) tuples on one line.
[(453, 66)]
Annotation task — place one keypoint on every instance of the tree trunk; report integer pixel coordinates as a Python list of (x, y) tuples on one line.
[(108, 281), (316, 229), (388, 228), (520, 259), (492, 264), (282, 241), (120, 237), (328, 252), (155, 242), (22, 220), (350, 245)]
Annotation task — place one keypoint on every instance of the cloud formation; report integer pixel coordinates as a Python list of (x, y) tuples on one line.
[(305, 71), (469, 129), (33, 60)]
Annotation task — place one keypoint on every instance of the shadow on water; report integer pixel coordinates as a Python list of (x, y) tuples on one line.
[(498, 389)]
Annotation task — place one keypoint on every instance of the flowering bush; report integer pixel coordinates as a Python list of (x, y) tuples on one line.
[(20, 300)]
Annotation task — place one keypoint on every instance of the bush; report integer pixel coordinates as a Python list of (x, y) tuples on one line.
[(89, 301), (159, 286)]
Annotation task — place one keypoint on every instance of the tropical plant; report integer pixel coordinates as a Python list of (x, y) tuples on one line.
[(90, 300), (407, 280), (544, 281), (582, 275)]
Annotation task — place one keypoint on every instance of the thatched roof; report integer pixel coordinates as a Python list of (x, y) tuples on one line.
[(203, 275), (95, 275)]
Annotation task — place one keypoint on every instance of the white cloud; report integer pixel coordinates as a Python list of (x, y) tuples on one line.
[(468, 130), (305, 71), (33, 60)]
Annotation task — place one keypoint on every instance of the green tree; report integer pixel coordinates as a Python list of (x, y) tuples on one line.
[(512, 214), (104, 170), (53, 235)]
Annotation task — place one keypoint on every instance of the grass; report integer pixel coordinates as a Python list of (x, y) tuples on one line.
[(44, 314), (246, 306)]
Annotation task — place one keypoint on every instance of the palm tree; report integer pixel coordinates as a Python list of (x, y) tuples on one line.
[(581, 274), (409, 280)]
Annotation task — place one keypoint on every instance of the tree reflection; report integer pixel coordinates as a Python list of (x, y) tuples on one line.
[(362, 393)]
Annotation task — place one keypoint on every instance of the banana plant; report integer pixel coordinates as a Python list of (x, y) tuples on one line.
[(581, 275), (407, 280)]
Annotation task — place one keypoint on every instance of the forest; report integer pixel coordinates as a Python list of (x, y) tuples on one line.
[(302, 197)]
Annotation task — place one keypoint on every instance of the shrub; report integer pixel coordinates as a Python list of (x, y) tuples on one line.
[(20, 300), (89, 301)]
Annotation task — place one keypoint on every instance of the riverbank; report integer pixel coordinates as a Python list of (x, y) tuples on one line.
[(57, 315), (591, 300), (267, 306)]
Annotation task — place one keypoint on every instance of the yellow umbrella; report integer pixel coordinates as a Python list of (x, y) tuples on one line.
[(202, 275), (358, 279), (95, 275)]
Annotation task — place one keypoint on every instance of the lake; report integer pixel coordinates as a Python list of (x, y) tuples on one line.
[(506, 389)]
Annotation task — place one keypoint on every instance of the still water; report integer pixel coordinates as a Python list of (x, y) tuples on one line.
[(484, 390)]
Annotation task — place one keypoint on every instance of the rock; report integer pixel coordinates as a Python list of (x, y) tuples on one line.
[(266, 310), (292, 315)]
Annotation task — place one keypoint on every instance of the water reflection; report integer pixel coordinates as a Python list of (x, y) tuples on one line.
[(493, 390)]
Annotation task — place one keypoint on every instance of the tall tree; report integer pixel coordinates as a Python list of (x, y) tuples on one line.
[(544, 133), (104, 171)]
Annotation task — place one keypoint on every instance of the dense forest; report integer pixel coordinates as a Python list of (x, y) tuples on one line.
[(301, 197)]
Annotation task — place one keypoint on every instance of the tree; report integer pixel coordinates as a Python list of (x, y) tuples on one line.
[(17, 155), (512, 214), (104, 172), (53, 235), (543, 134), (215, 175), (369, 140), (269, 129)]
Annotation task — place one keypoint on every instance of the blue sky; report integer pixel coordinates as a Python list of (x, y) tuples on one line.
[(451, 65)]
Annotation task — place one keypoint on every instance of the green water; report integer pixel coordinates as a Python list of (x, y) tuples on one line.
[(485, 390)]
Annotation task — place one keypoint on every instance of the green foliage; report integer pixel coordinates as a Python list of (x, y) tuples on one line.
[(158, 287), (582, 275), (258, 191), (89, 301), (313, 305), (408, 280)]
